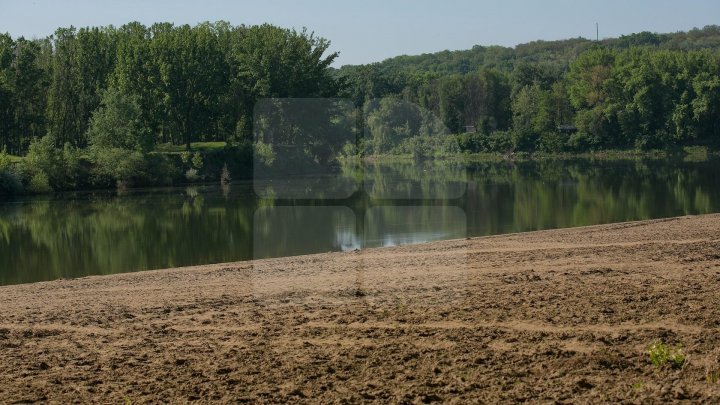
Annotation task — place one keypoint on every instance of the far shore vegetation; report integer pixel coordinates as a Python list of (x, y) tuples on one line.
[(102, 107)]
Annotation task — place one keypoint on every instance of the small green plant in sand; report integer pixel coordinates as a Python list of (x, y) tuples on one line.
[(712, 376), (638, 385), (661, 354)]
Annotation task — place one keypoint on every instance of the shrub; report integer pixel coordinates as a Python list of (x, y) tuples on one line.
[(524, 140), (425, 146), (661, 354), (473, 142), (349, 150), (185, 157), (4, 160), (117, 164), (39, 183), (197, 161), (192, 175), (9, 178), (264, 153), (160, 169), (63, 168), (551, 142), (501, 141)]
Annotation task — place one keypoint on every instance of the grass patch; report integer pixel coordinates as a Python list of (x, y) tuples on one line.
[(696, 153), (661, 354), (195, 146), (15, 159)]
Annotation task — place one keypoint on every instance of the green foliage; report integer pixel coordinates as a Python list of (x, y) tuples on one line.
[(118, 138), (43, 157), (478, 142), (5, 161), (160, 169), (118, 165), (500, 141), (192, 175), (424, 146), (194, 146), (61, 169), (9, 180), (393, 125), (350, 150), (284, 63), (185, 157), (263, 153), (197, 161), (191, 74), (307, 133), (118, 123), (104, 92), (39, 183), (661, 354)]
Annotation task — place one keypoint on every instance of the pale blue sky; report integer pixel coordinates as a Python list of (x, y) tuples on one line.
[(372, 30)]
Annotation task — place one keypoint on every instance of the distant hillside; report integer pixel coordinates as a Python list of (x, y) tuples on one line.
[(551, 52)]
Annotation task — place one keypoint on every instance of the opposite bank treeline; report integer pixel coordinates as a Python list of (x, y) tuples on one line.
[(87, 107)]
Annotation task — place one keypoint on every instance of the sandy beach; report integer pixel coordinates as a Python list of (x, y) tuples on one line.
[(552, 316)]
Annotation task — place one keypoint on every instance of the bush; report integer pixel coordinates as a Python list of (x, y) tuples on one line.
[(551, 142), (661, 354), (39, 183), (185, 157), (425, 146), (524, 140), (419, 149), (349, 150), (192, 175), (10, 183), (63, 169), (9, 180), (4, 160), (501, 141), (197, 161), (264, 153), (118, 165), (160, 169)]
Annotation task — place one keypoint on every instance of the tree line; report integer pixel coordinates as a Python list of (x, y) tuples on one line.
[(87, 107), (192, 83), (642, 91)]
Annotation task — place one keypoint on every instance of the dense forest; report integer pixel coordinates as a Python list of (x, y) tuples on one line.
[(640, 91), (98, 106)]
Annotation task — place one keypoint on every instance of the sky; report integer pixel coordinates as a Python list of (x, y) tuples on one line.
[(372, 30)]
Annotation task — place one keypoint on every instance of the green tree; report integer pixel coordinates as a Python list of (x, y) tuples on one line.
[(192, 75), (117, 123), (118, 138), (590, 94)]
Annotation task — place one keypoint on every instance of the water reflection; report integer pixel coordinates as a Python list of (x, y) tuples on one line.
[(402, 225), (102, 233), (296, 230)]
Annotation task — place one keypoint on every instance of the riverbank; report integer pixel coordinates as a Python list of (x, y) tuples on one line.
[(563, 315), (687, 153)]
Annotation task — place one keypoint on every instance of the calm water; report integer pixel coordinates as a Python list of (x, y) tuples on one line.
[(73, 235)]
